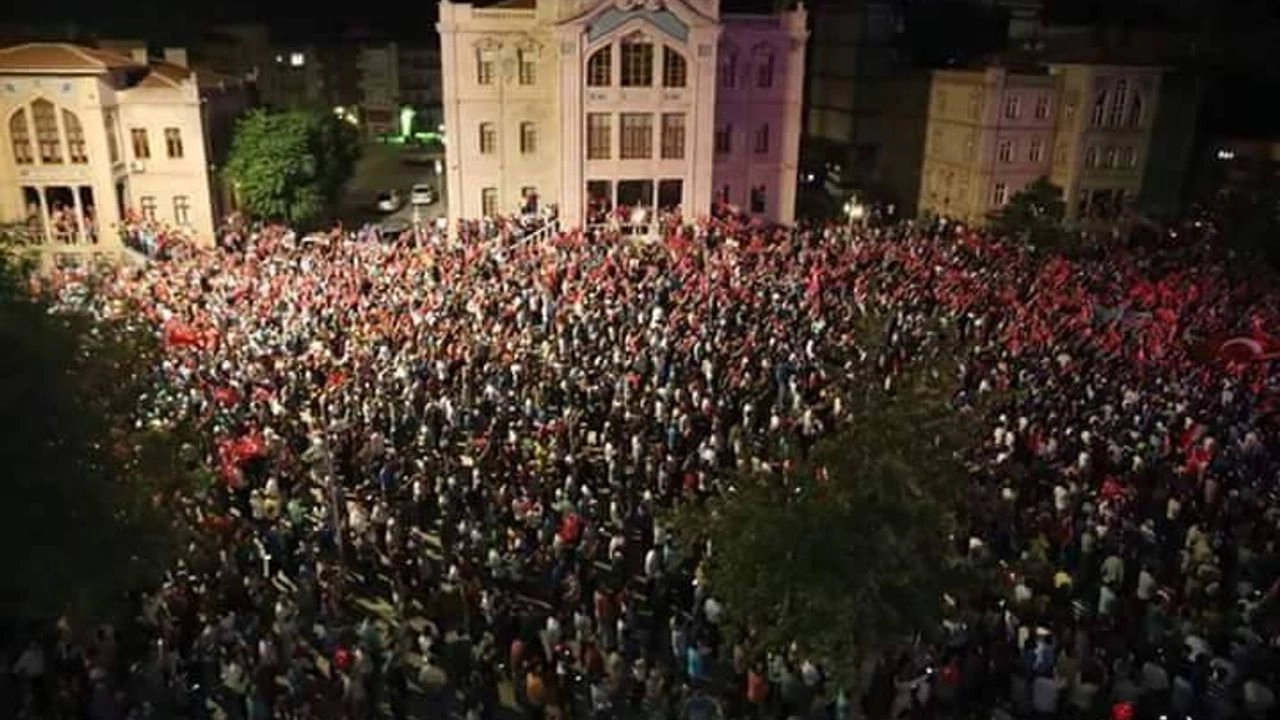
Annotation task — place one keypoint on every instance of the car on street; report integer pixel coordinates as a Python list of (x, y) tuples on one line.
[(422, 194), (389, 201)]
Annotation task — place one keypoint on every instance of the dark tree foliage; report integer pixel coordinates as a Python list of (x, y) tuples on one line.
[(1034, 214), (89, 488), (853, 560)]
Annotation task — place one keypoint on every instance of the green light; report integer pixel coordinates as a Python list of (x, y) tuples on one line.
[(406, 121)]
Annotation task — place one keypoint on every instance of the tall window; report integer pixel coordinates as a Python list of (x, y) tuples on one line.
[(1099, 109), (182, 209), (1091, 157), (764, 69), (729, 69), (488, 139), (1004, 151), (1135, 111), (1042, 107), (76, 147), (46, 121), (1117, 103), (600, 68), (489, 201), (758, 195), (762, 139), (1012, 107), (113, 143), (637, 63), (141, 147), (724, 139), (484, 67), (599, 132), (999, 194), (637, 136), (1109, 158), (674, 69), (1128, 158), (1036, 153), (148, 205), (673, 136), (20, 136), (528, 68), (528, 138), (173, 142)]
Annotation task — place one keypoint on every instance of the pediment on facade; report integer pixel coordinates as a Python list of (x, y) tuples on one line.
[(528, 44), (672, 18), (488, 43)]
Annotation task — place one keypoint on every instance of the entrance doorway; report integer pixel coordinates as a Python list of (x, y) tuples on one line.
[(635, 193), (670, 195)]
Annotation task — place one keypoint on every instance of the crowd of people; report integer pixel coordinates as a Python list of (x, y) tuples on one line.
[(440, 471)]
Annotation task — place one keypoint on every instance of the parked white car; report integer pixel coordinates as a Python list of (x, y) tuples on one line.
[(389, 201), (422, 194)]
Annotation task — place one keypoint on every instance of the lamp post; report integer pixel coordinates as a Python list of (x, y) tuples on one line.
[(855, 211)]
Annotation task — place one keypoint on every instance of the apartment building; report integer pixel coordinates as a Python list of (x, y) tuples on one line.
[(421, 84), (91, 135), (592, 104), (378, 66)]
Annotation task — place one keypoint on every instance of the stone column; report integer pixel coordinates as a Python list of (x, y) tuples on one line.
[(46, 227), (81, 235)]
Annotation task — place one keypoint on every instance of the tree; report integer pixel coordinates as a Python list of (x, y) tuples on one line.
[(854, 553), (89, 487), (1034, 213), (291, 165)]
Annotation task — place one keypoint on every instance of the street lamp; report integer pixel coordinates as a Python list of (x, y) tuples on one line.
[(854, 210)]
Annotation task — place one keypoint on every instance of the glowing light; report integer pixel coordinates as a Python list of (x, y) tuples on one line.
[(406, 121)]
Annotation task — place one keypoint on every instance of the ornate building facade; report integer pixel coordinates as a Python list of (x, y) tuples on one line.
[(594, 104)]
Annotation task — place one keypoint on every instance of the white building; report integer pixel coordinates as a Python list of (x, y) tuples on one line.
[(91, 135), (590, 104)]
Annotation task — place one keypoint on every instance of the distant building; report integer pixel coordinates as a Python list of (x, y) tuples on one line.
[(92, 136), (379, 87), (592, 104), (294, 77), (421, 85)]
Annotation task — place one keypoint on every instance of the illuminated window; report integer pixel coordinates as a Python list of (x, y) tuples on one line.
[(141, 147), (1005, 151), (673, 136), (76, 147), (20, 136), (46, 122), (173, 142), (600, 68), (297, 59), (637, 63), (999, 194), (637, 136), (488, 139), (674, 69), (182, 210), (599, 135), (1036, 153)]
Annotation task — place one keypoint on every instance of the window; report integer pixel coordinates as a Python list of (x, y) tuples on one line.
[(941, 101), (75, 138), (182, 210), (764, 69), (20, 136), (1117, 103), (999, 194), (600, 68), (141, 148), (674, 69), (1004, 151), (1042, 107), (758, 195), (599, 131), (729, 69), (1099, 108), (148, 205), (724, 139), (113, 144), (1012, 107), (762, 139), (488, 139), (637, 136), (488, 201), (297, 59), (1135, 111), (1036, 153), (637, 63), (484, 67), (1128, 158), (673, 136), (47, 138), (528, 138), (1109, 158), (528, 69), (173, 142), (1091, 157)]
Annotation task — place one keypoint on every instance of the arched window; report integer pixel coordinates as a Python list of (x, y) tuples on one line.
[(46, 121), (20, 136), (675, 71), (1118, 102), (764, 67), (600, 67), (75, 138), (728, 67), (1100, 108), (1135, 111), (637, 62)]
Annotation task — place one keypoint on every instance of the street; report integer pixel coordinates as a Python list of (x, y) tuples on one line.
[(384, 167)]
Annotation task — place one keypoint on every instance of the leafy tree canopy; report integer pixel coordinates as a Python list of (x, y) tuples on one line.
[(291, 165), (88, 486), (854, 553), (1034, 213)]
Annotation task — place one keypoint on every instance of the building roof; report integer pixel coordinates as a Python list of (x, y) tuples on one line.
[(165, 74), (60, 58), (507, 4)]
